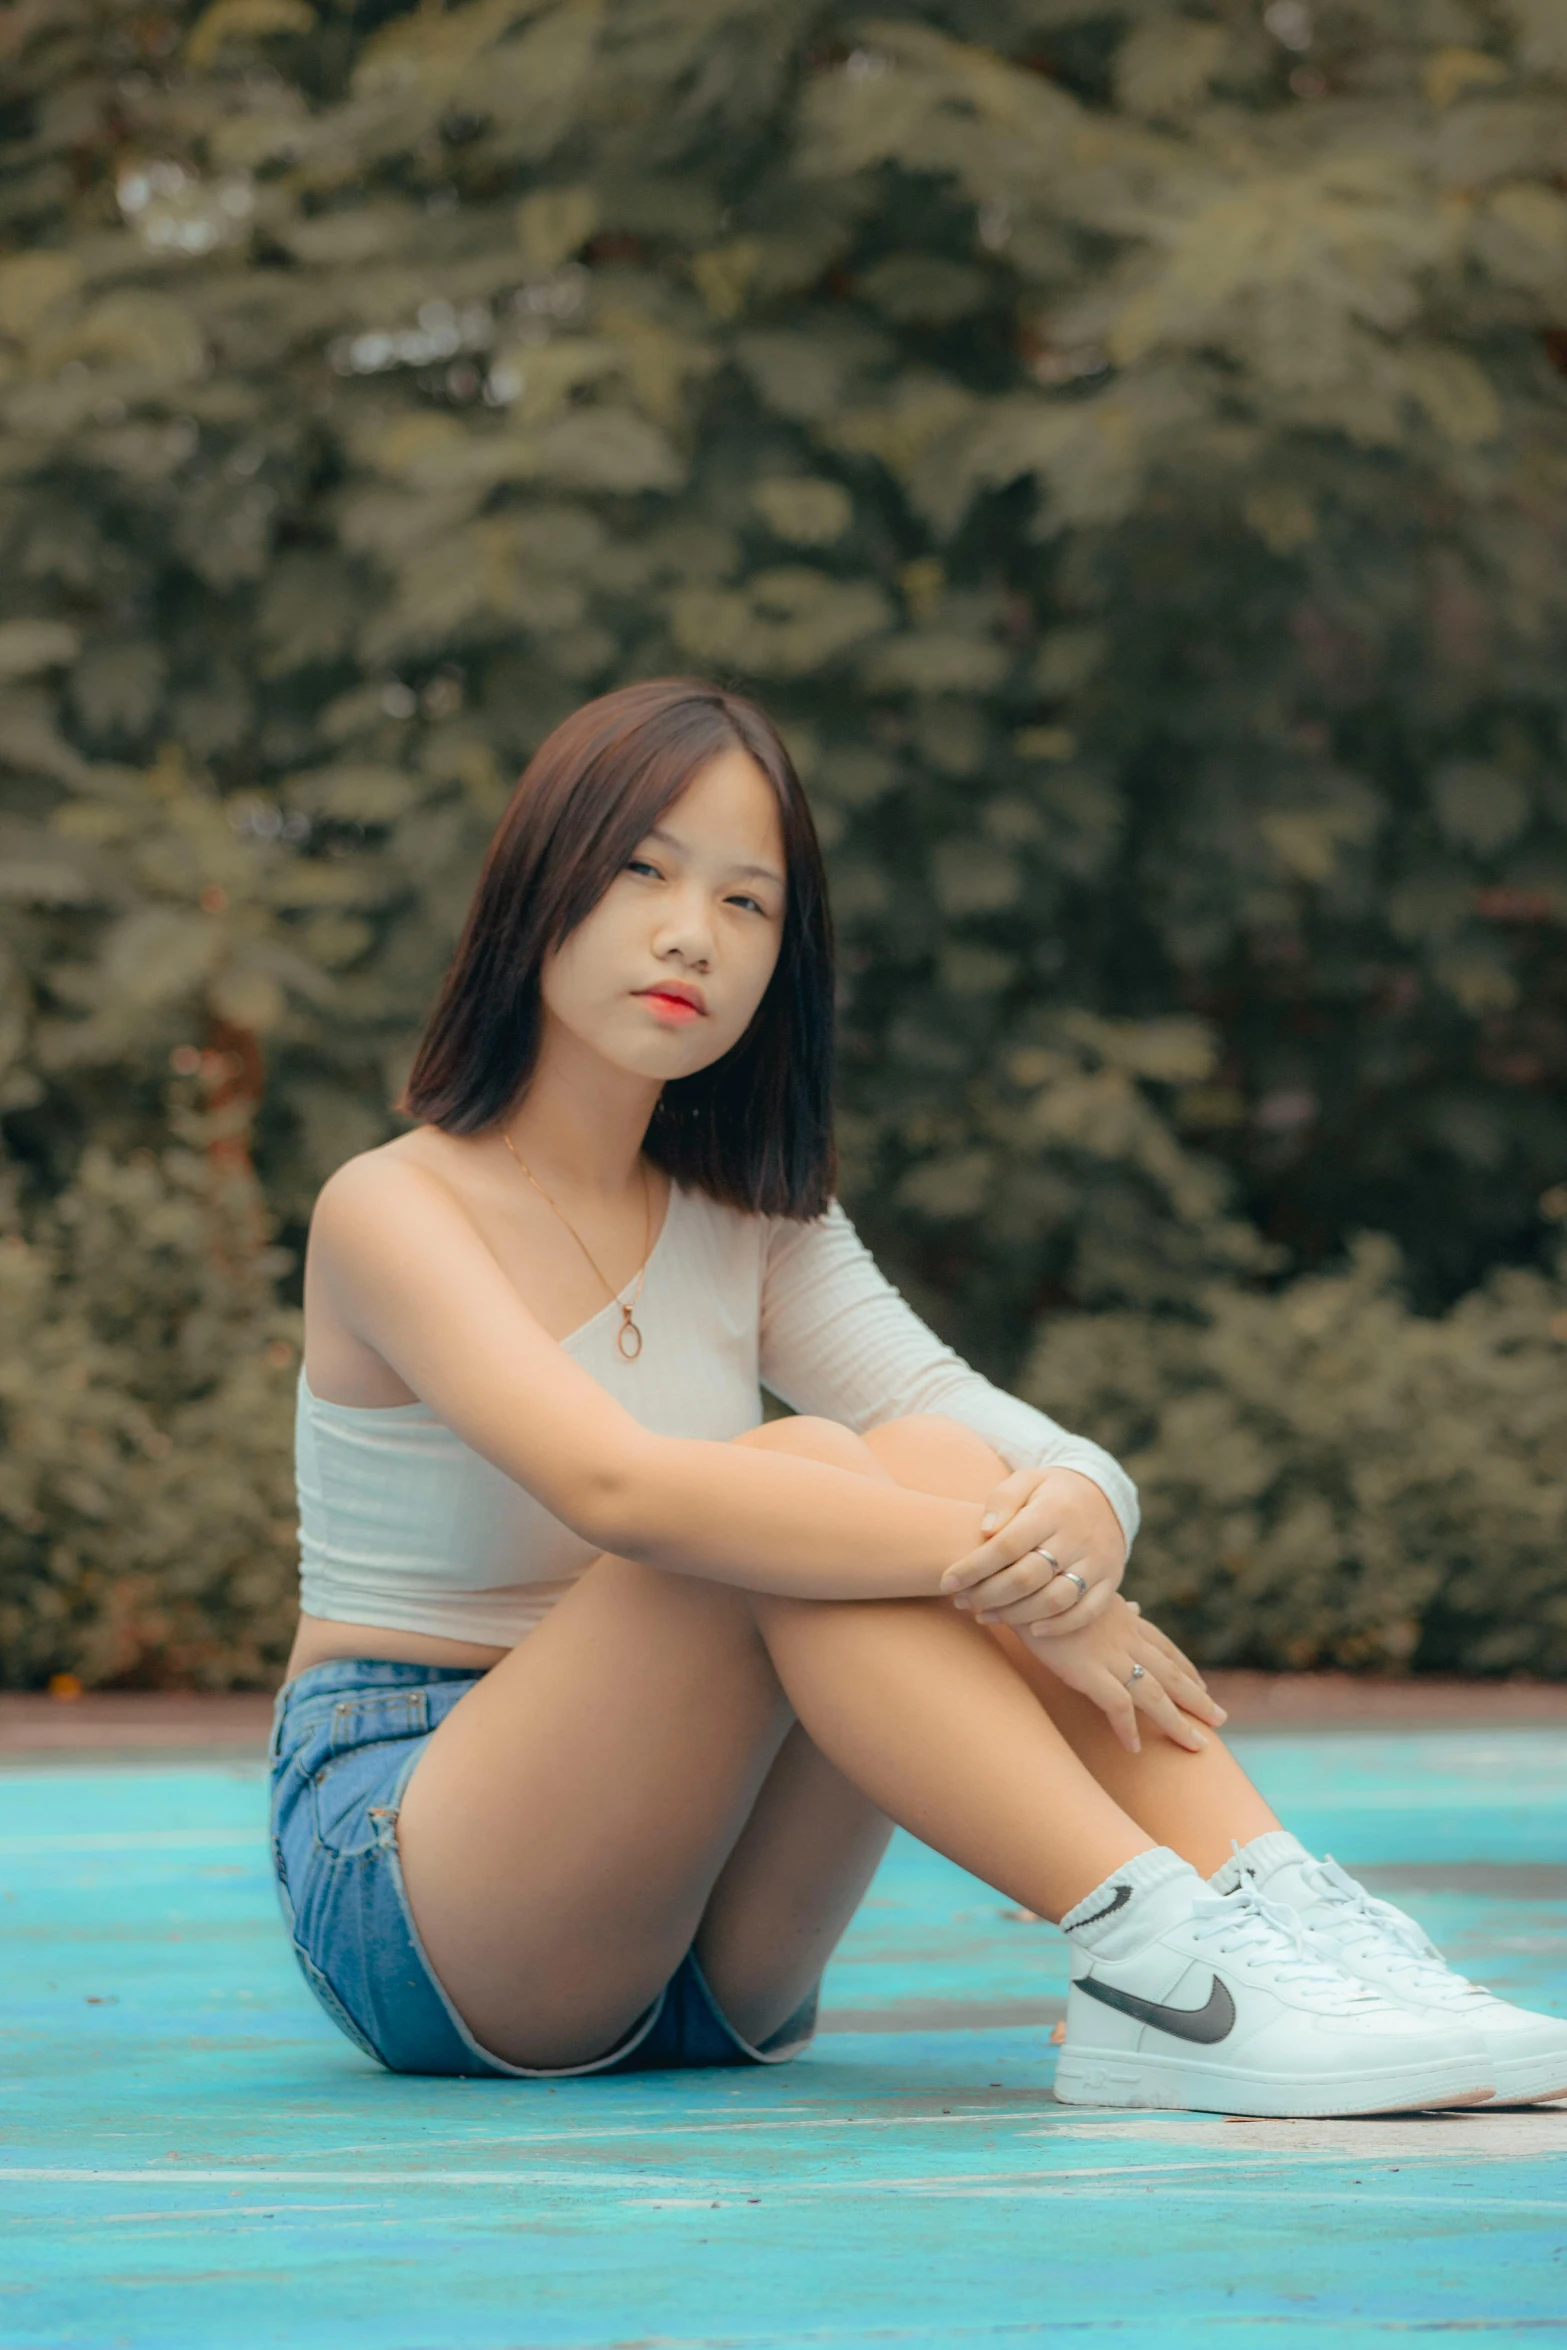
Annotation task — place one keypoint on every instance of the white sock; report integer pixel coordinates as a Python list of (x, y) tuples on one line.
[(1133, 1903), (1274, 1849)]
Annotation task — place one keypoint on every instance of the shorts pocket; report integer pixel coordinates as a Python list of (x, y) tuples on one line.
[(351, 1783), (376, 1715)]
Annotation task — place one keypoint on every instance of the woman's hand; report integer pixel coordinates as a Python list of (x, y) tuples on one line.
[(1008, 1580), (1099, 1662)]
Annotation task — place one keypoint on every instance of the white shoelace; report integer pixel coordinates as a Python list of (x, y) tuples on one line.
[(1246, 1923), (1365, 1923)]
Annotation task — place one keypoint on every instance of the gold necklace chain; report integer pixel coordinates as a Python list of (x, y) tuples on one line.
[(628, 1329)]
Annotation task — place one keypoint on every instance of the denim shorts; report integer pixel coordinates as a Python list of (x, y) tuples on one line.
[(345, 1736)]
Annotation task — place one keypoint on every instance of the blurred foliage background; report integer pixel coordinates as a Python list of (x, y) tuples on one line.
[(1125, 445)]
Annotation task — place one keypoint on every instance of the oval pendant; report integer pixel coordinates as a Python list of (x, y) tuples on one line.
[(628, 1339)]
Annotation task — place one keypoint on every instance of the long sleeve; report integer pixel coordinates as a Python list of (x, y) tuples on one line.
[(838, 1340)]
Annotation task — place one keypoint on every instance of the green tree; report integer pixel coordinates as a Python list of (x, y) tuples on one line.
[(1122, 443), (1332, 1480)]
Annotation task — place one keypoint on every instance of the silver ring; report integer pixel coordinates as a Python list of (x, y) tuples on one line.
[(1137, 1673), (1050, 1556), (1082, 1587)]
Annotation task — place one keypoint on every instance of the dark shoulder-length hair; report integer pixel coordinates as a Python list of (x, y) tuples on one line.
[(754, 1129)]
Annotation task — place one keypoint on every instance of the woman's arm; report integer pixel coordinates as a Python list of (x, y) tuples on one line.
[(839, 1340), (404, 1268)]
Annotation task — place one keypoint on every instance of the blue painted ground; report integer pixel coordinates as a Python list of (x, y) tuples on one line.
[(192, 2156)]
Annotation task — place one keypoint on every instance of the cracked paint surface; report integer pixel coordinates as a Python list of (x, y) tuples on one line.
[(191, 2155)]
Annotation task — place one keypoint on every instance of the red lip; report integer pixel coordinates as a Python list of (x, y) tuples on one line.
[(675, 993)]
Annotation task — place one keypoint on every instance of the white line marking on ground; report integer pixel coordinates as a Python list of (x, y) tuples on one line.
[(997, 2182), (162, 2218), (769, 2128)]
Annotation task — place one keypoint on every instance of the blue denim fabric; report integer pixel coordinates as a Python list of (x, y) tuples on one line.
[(345, 1737)]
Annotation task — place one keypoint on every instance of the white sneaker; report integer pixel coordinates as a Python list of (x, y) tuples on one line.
[(1182, 1997), (1386, 1949)]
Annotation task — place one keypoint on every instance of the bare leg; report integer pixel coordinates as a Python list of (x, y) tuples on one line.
[(1195, 1803), (570, 1822), (812, 1831), (798, 1871)]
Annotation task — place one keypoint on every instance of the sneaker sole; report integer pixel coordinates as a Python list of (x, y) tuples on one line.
[(1507, 2094), (1178, 2084)]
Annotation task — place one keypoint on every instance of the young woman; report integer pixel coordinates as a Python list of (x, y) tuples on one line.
[(605, 1697)]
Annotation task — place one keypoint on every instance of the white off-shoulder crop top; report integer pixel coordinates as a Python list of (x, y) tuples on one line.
[(406, 1527)]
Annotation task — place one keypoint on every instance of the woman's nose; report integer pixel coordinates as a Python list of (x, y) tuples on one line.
[(686, 925)]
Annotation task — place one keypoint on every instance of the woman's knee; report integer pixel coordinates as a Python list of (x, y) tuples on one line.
[(817, 1440), (925, 1450), (936, 1455)]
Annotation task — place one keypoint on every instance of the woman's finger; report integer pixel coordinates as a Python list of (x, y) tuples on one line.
[(1094, 1602), (1192, 1698), (1178, 1655), (1042, 1608), (1024, 1564), (1000, 1551), (1189, 1687), (1031, 1589), (1151, 1697), (1114, 1701), (1028, 1573), (1086, 1608), (1175, 1658), (1007, 1498)]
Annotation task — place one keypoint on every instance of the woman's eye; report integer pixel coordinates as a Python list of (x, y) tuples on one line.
[(745, 901), (640, 865)]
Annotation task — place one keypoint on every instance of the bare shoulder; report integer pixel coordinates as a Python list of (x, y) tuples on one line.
[(398, 1187)]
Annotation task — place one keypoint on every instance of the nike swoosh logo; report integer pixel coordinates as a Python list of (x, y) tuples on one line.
[(1123, 1894), (1213, 2021)]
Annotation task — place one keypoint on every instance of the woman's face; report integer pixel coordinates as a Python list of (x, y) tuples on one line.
[(698, 911)]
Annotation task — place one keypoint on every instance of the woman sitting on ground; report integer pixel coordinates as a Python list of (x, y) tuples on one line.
[(606, 1697)]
